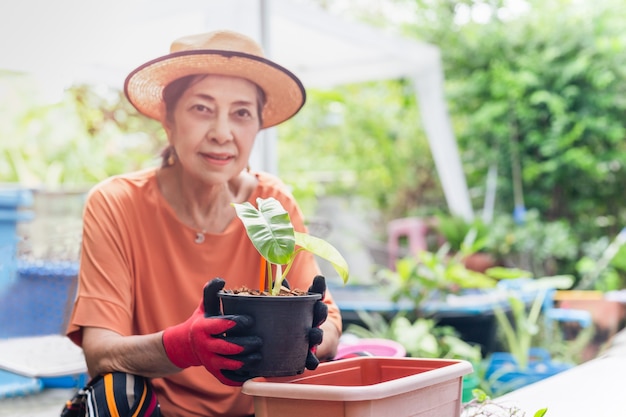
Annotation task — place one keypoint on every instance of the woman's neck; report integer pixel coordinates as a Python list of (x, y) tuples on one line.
[(206, 208)]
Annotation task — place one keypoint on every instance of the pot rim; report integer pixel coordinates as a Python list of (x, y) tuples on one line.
[(307, 296)]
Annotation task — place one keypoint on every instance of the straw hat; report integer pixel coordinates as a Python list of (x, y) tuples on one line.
[(223, 53)]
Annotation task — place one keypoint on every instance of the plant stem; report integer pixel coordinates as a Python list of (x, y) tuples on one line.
[(278, 282)]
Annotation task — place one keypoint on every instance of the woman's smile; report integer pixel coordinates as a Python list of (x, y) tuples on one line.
[(218, 158)]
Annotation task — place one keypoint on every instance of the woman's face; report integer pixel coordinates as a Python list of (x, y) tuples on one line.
[(213, 127)]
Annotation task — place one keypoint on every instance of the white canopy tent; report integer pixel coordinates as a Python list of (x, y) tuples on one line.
[(95, 41)]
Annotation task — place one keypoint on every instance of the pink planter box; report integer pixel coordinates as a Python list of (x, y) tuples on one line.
[(365, 387)]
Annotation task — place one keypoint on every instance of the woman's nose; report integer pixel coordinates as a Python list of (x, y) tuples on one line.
[(220, 130)]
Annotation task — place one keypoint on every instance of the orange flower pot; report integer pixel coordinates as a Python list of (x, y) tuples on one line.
[(365, 387), (608, 315)]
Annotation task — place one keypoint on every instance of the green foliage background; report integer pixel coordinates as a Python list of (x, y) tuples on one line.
[(545, 91), (73, 140), (538, 94), (541, 96), (362, 140)]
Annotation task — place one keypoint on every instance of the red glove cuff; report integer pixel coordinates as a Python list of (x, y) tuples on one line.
[(177, 344), (186, 344)]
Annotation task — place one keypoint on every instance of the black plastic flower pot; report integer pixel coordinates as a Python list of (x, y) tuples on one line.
[(283, 323)]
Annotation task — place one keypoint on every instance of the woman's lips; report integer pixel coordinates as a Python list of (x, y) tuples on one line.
[(218, 158)]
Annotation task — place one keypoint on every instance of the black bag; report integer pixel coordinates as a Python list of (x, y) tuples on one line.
[(77, 406)]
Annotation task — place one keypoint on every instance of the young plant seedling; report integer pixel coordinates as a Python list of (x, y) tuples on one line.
[(271, 232), (482, 405)]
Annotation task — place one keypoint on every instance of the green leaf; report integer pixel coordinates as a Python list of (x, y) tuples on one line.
[(460, 349), (325, 251), (469, 279), (376, 326), (480, 395), (500, 272), (269, 229), (559, 282)]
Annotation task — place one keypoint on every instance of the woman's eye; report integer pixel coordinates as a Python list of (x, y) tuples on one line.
[(243, 113), (201, 108)]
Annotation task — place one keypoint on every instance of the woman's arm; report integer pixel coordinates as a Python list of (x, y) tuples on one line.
[(106, 351), (328, 348), (201, 340)]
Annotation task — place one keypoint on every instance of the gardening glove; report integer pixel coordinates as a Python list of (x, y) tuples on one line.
[(213, 340), (320, 312)]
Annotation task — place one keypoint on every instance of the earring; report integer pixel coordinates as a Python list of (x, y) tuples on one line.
[(171, 160)]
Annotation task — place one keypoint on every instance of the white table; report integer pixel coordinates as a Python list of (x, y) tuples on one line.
[(592, 389)]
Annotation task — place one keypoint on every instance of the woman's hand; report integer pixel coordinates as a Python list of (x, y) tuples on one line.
[(215, 341)]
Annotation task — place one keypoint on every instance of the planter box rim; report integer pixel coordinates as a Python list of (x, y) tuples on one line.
[(437, 371)]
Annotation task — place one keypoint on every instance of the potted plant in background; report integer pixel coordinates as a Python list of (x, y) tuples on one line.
[(431, 276), (282, 317), (421, 338), (524, 363), (544, 248), (440, 286), (468, 238), (600, 289)]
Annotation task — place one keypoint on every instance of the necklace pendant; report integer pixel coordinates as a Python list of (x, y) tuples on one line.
[(199, 237)]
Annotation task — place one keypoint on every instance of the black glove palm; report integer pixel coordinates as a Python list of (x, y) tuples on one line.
[(320, 313)]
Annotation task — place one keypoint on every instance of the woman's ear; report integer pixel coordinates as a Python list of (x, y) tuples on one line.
[(167, 127)]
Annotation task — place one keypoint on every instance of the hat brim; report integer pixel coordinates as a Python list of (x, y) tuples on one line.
[(284, 93)]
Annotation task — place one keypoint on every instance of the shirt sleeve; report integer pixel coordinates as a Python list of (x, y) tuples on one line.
[(104, 297)]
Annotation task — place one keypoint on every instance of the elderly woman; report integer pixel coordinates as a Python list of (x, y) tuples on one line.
[(152, 239)]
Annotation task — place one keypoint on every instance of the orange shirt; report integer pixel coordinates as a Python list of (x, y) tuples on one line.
[(141, 272)]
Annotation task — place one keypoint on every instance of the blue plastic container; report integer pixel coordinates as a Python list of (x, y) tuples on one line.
[(12, 196), (65, 381), (13, 201), (39, 300), (505, 374), (14, 385)]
